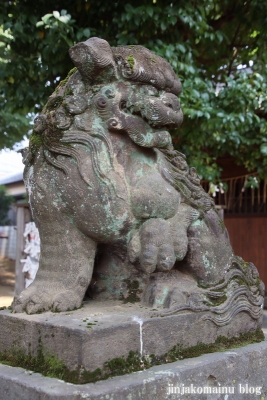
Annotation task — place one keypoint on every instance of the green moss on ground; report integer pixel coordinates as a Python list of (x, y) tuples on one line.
[(49, 365)]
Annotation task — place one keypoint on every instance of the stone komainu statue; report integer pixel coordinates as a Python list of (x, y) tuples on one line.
[(118, 209)]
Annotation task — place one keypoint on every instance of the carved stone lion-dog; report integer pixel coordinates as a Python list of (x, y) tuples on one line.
[(118, 209)]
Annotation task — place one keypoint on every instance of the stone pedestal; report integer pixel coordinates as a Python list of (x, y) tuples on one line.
[(239, 374), (101, 331)]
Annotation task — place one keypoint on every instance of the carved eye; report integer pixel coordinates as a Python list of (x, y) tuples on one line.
[(123, 106), (101, 102), (169, 105), (109, 93)]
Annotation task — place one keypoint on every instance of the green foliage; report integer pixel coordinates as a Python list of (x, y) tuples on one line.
[(217, 47), (252, 182), (5, 203)]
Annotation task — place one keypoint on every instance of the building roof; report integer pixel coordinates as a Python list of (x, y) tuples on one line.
[(18, 177)]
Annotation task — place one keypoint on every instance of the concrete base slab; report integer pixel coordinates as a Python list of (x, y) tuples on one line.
[(239, 374), (102, 331)]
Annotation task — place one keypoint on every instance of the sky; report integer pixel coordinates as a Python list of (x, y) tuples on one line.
[(11, 161)]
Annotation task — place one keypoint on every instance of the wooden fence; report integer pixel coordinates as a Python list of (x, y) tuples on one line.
[(248, 236), (8, 239), (23, 216)]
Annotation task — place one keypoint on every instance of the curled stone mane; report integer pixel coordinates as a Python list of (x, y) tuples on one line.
[(66, 149), (52, 136), (185, 180)]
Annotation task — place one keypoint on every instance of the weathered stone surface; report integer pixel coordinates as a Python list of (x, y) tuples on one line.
[(116, 330), (242, 370), (118, 209)]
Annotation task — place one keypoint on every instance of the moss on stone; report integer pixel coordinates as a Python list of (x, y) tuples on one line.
[(130, 60), (36, 141), (53, 137), (89, 324), (122, 366), (49, 365), (68, 92), (239, 280), (206, 285), (53, 103), (133, 292), (64, 81), (222, 343), (222, 225), (218, 300)]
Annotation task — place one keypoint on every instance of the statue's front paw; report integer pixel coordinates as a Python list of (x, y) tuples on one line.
[(37, 298), (153, 246), (32, 300)]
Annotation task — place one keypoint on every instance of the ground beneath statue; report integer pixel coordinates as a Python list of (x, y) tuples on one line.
[(7, 281)]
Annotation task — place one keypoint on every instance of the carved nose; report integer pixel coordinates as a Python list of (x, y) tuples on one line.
[(94, 60), (172, 103)]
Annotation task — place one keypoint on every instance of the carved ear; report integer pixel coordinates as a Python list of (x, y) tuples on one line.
[(94, 60)]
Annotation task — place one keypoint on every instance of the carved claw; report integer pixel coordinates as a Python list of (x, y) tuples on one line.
[(152, 246), (160, 243)]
